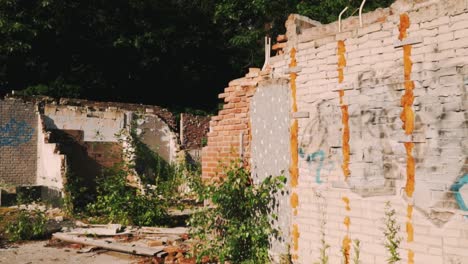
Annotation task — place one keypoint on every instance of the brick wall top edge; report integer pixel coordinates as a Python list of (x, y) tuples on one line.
[(349, 24), (162, 113), (380, 15)]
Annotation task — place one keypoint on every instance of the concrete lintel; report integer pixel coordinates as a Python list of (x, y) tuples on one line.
[(407, 41), (296, 69), (300, 115), (344, 87), (412, 141)]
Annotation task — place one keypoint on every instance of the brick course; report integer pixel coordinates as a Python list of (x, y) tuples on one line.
[(18, 142), (231, 122)]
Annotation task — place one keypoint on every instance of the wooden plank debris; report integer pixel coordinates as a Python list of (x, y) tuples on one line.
[(162, 230), (106, 244), (98, 230)]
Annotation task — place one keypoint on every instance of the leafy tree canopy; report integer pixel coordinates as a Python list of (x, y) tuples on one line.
[(184, 51)]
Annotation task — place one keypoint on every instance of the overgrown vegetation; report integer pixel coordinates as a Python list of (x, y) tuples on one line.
[(390, 230), (77, 194), (238, 224), (138, 191), (27, 225), (324, 246), (117, 202)]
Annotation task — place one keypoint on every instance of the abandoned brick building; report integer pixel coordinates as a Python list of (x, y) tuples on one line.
[(43, 140)]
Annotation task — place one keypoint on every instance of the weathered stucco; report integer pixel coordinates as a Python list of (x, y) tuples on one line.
[(158, 136), (51, 164), (97, 126)]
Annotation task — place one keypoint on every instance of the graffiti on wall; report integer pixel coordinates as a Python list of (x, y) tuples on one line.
[(318, 155), (15, 133), (456, 190)]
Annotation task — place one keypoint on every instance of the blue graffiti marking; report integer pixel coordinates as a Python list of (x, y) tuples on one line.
[(301, 153), (15, 133), (456, 189), (312, 157)]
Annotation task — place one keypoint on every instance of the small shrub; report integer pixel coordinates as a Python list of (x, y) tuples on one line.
[(391, 229), (28, 225), (237, 226)]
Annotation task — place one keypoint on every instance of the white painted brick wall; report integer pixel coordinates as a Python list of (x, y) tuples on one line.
[(374, 85)]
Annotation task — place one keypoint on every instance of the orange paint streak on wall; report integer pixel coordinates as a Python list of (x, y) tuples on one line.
[(407, 62), (346, 148), (292, 77), (340, 75), (410, 169), (341, 60), (346, 246), (295, 234), (409, 231), (344, 110), (294, 202), (294, 170), (347, 222), (292, 55), (410, 257), (341, 93), (404, 25), (409, 211), (409, 225), (341, 54), (407, 116), (346, 201)]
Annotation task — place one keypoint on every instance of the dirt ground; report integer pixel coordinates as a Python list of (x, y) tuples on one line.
[(37, 252)]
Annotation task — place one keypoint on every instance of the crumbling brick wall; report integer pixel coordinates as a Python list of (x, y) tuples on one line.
[(84, 133), (229, 135), (18, 142)]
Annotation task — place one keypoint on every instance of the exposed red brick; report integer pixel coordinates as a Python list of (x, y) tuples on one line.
[(231, 122)]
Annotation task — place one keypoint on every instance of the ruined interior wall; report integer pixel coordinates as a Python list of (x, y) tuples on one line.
[(51, 164), (354, 152), (18, 142), (85, 134), (105, 124), (97, 126), (157, 135)]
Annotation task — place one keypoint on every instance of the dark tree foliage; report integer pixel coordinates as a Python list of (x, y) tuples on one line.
[(328, 11), (183, 51)]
